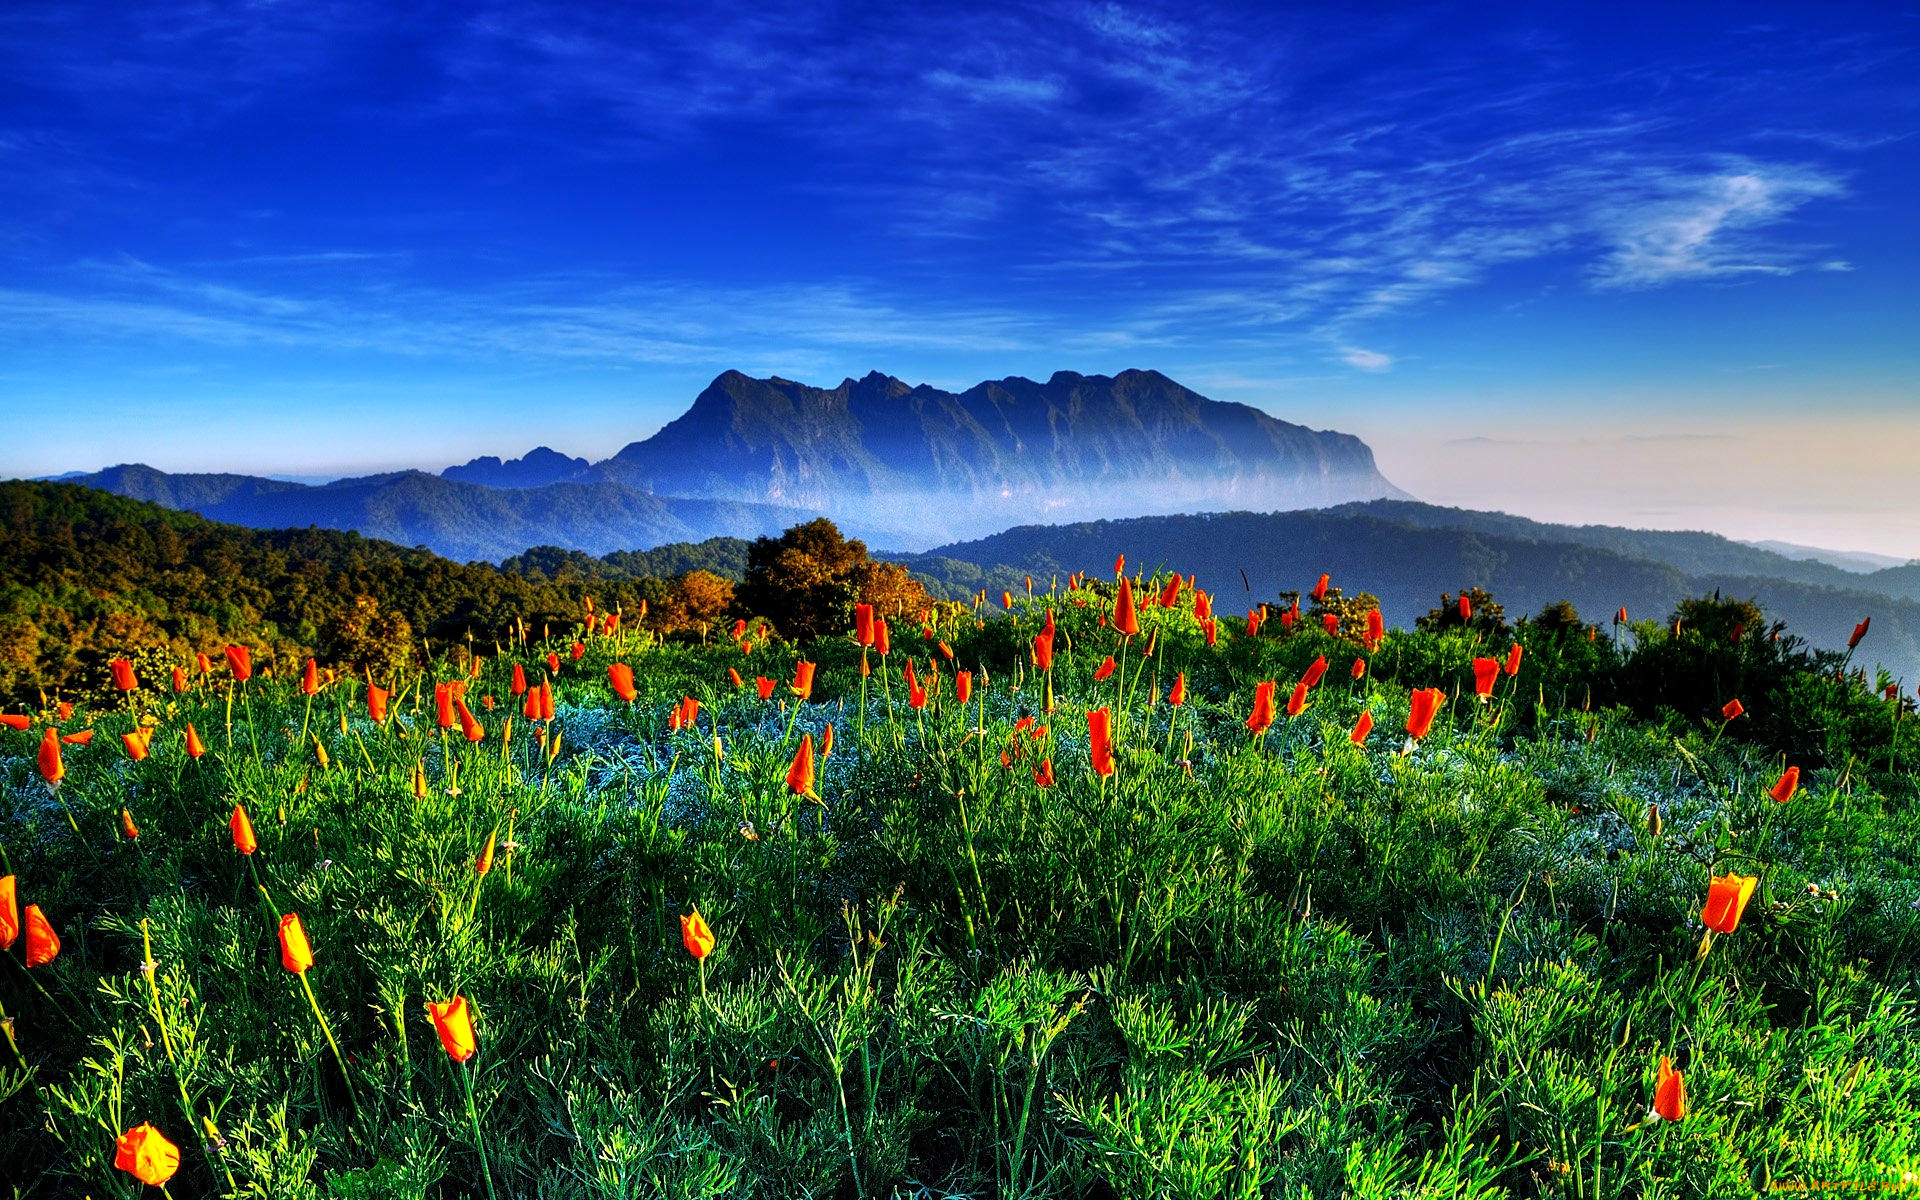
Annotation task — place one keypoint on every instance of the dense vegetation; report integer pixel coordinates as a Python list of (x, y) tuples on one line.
[(978, 952)]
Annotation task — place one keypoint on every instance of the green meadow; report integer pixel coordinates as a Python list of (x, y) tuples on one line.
[(977, 954)]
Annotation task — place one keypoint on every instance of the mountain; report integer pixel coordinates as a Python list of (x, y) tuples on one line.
[(539, 467), (1859, 561), (462, 521), (1407, 554), (934, 462)]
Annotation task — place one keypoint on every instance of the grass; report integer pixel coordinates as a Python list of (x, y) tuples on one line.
[(1248, 966)]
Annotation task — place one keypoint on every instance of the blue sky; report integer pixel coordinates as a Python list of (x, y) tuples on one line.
[(1651, 264)]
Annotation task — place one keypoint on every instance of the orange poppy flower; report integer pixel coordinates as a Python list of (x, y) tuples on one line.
[(863, 624), (620, 675), (80, 738), (1006, 599), (1125, 618), (123, 677), (518, 685), (576, 652), (1170, 596), (138, 742), (296, 953), (826, 742), (694, 933), (1466, 608), (179, 680), (1043, 775), (1316, 671), (1859, 631), (1785, 786), (240, 662), (882, 637), (802, 684), (1297, 703), (1669, 1092), (1331, 623), (52, 768), (1727, 897), (1513, 658), (764, 686), (443, 705), (1732, 709), (1424, 706), (1261, 718), (484, 863), (242, 827), (1362, 728), (733, 676), (1376, 628), (1359, 668), (145, 1153), (800, 774), (1043, 651), (455, 1026), (9, 911), (128, 827), (377, 698), (963, 686), (310, 679), (1178, 695), (195, 747), (1485, 672), (1104, 670), (470, 725), (1100, 740), (15, 721), (43, 944)]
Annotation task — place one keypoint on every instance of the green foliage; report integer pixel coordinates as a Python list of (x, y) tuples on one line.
[(1263, 966)]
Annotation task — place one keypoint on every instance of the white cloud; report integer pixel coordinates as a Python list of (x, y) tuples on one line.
[(1365, 360), (1670, 226)]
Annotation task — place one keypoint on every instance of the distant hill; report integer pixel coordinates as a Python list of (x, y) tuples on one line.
[(538, 468), (929, 461), (1847, 560), (1407, 554), (462, 521)]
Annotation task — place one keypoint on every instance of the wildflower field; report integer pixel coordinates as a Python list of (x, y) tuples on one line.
[(1086, 891)]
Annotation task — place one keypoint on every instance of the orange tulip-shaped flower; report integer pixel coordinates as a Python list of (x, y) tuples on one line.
[(1178, 695), (202, 663), (1732, 709), (802, 684), (1315, 672), (763, 686), (52, 768), (1785, 786), (310, 679), (1669, 1092), (1253, 623), (1125, 619), (863, 624), (43, 944), (1513, 658), (1297, 703), (546, 702), (1320, 589), (1104, 670), (1043, 651), (454, 1024), (179, 680), (16, 721), (195, 747), (137, 743), (800, 773), (242, 827), (695, 935), (689, 711), (1043, 774), (145, 1153), (1466, 608), (882, 637), (484, 863), (123, 677), (1859, 631), (1359, 670), (826, 742), (240, 662), (1202, 606), (518, 686), (9, 911), (1485, 672), (1727, 897), (1362, 728), (127, 826), (80, 738), (1006, 599), (377, 698), (443, 706), (1331, 623), (963, 686), (1170, 595), (470, 726), (1100, 740), (1376, 628), (1424, 706), (296, 953), (1261, 718), (620, 675)]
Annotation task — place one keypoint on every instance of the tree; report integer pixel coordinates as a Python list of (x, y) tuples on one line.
[(807, 580), (1485, 615), (696, 600)]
